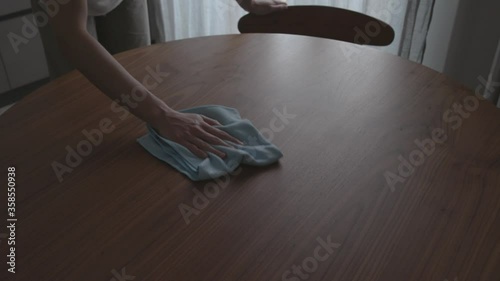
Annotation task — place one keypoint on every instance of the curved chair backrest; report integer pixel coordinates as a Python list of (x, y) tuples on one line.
[(321, 21)]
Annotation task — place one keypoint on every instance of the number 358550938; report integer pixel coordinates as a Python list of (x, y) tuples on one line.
[(11, 189)]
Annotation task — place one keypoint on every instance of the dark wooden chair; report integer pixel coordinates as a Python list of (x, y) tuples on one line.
[(321, 21)]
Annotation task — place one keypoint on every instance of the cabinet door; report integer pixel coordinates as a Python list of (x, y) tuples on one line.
[(24, 57), (12, 6), (4, 83)]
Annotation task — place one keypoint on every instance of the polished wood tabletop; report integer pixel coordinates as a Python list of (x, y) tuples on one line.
[(391, 171)]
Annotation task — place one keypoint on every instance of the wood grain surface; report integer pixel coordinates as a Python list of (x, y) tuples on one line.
[(353, 114)]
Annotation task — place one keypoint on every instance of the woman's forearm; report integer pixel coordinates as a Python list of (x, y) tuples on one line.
[(92, 59)]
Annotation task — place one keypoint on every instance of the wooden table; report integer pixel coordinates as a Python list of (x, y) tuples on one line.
[(351, 121)]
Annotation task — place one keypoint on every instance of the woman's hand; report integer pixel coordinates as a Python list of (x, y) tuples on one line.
[(195, 132), (262, 7)]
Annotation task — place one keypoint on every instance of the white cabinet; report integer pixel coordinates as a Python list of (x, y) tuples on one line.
[(4, 82), (23, 54)]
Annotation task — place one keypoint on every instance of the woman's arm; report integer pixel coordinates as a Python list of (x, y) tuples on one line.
[(194, 131)]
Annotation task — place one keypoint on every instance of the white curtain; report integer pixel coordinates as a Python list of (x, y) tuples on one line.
[(492, 89), (179, 19)]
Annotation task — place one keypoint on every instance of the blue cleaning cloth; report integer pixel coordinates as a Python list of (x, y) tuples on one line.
[(255, 151)]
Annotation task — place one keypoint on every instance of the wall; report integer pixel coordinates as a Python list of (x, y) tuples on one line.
[(474, 41), (465, 51), (440, 32)]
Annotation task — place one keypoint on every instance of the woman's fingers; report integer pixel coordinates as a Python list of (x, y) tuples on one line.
[(278, 7), (207, 147), (221, 134), (263, 7), (211, 139), (210, 121), (195, 150), (279, 4), (215, 135)]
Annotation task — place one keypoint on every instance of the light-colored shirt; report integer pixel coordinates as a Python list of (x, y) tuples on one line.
[(101, 7), (94, 7)]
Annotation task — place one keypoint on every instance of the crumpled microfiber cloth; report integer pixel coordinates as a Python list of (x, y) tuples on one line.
[(255, 151)]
